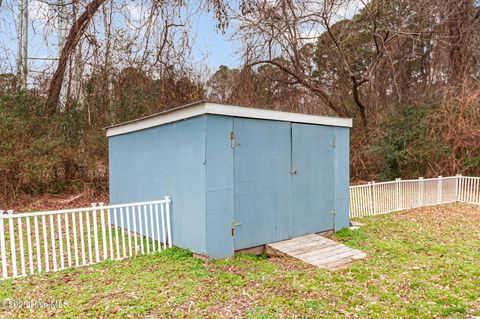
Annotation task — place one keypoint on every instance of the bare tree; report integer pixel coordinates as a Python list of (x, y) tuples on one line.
[(76, 32), (362, 49), (150, 38)]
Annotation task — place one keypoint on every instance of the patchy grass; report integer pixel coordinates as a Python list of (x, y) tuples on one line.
[(423, 263)]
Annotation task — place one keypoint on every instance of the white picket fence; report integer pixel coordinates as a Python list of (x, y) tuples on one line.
[(47, 241), (386, 197)]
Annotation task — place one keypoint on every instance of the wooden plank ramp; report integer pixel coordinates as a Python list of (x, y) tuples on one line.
[(316, 250)]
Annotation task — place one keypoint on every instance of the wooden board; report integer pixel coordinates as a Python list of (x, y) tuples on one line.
[(316, 250)]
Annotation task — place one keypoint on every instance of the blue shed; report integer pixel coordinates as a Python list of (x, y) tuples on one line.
[(238, 177)]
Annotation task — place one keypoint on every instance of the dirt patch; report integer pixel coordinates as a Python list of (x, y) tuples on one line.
[(26, 202)]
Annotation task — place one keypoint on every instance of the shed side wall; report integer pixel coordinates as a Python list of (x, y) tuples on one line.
[(164, 160), (342, 177)]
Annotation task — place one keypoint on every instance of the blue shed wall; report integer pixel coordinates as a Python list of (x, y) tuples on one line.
[(165, 160), (342, 177)]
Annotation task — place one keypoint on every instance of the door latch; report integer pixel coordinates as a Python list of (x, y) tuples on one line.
[(233, 142), (293, 172), (333, 144)]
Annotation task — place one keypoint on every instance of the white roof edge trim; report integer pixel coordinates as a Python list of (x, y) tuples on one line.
[(227, 110), (157, 120)]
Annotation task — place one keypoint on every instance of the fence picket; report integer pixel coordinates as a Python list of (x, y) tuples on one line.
[(152, 234), (45, 243), (104, 234), (67, 235), (52, 238), (169, 230), (22, 249), (82, 240), (75, 244), (89, 239), (110, 239), (122, 232), (60, 242), (37, 243), (146, 235), (12, 244), (141, 229), (29, 245), (95, 233), (157, 223), (129, 232), (117, 241), (135, 238)]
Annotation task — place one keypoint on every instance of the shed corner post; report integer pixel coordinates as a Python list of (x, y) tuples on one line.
[(341, 166)]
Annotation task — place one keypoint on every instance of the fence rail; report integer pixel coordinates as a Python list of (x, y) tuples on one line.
[(54, 240), (386, 197)]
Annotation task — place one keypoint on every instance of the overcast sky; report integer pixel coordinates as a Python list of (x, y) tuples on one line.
[(211, 49)]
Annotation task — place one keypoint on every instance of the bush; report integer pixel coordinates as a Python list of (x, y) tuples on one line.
[(437, 137), (407, 147), (41, 154)]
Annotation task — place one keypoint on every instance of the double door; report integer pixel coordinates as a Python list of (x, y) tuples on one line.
[(283, 180)]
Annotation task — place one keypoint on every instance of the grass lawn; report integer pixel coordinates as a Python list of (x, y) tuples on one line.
[(423, 263)]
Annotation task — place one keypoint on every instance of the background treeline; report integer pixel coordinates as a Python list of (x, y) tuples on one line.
[(406, 71)]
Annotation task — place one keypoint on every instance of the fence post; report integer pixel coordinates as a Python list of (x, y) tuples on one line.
[(374, 198), (95, 232), (104, 233), (421, 190), (2, 246), (457, 187), (397, 187), (169, 227), (11, 233), (439, 189), (370, 201)]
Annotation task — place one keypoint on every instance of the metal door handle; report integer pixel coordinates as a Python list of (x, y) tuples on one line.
[(293, 172)]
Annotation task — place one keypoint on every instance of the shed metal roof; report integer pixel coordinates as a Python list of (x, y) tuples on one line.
[(203, 107)]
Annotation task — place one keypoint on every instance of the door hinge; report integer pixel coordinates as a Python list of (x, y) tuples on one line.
[(234, 225)]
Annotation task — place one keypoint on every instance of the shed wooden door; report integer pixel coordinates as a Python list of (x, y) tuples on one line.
[(313, 184), (262, 182)]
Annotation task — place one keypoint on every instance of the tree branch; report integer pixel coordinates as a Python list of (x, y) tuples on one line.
[(76, 32)]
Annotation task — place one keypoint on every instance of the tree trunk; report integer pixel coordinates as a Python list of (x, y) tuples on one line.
[(356, 98), (76, 32)]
